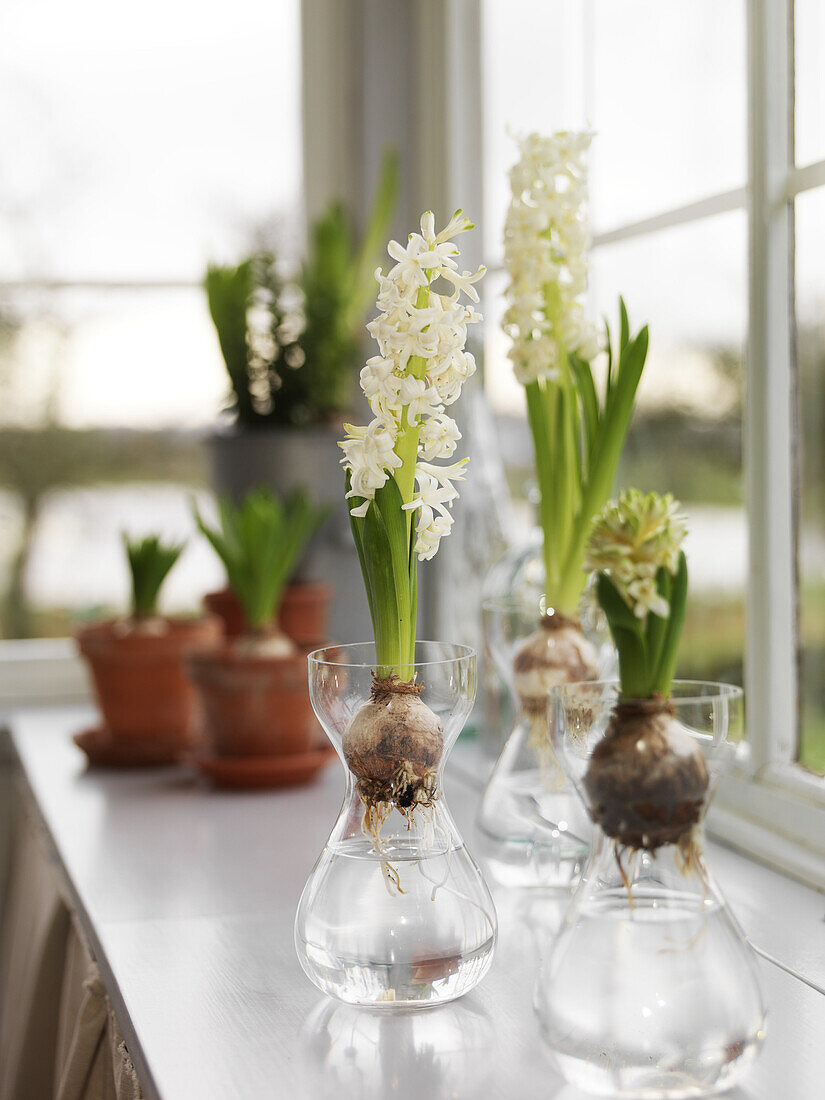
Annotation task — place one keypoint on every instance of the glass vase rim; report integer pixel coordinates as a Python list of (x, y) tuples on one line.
[(721, 690), (461, 653), (519, 603)]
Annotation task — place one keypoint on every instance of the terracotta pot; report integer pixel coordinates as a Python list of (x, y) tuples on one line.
[(303, 615), (226, 605), (286, 458), (140, 679), (305, 612), (254, 706)]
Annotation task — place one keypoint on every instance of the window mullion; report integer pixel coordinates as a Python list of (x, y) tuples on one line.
[(771, 672), (708, 207)]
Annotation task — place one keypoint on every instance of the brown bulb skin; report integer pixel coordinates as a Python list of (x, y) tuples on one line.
[(647, 779), (556, 653)]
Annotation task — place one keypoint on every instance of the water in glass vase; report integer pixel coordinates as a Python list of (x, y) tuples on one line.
[(425, 941), (532, 832), (651, 989), (656, 999)]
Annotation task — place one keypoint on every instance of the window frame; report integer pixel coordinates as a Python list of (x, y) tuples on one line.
[(769, 805)]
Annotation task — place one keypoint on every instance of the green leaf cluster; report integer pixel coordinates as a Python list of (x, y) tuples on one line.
[(259, 543), (150, 561), (298, 367), (578, 436), (647, 648), (385, 543), (229, 292)]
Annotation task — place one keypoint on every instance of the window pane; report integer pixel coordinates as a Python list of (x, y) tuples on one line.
[(532, 54), (810, 336), (100, 396), (110, 358), (669, 104), (663, 85), (687, 434), (145, 144), (809, 79)]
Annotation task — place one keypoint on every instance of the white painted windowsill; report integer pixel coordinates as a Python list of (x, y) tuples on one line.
[(187, 896)]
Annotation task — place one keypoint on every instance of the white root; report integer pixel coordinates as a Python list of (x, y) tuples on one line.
[(556, 653)]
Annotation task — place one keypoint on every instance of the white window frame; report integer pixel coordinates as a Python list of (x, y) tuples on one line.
[(769, 806)]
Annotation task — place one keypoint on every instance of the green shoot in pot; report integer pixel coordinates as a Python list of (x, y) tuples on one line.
[(260, 543), (291, 345), (150, 561)]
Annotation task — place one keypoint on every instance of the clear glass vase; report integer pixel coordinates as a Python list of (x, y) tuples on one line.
[(651, 988), (395, 912), (517, 575), (532, 828)]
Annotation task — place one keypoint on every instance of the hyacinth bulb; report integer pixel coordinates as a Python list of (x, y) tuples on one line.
[(647, 780)]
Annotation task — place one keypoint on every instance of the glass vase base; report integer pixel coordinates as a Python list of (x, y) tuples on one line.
[(530, 834), (413, 929), (528, 865), (677, 1010)]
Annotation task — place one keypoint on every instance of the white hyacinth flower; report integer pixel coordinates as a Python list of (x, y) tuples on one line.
[(546, 239), (632, 538), (419, 326)]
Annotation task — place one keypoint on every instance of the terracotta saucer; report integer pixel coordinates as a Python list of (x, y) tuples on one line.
[(144, 752), (251, 772)]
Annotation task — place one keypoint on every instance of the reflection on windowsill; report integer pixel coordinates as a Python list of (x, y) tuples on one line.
[(372, 1054)]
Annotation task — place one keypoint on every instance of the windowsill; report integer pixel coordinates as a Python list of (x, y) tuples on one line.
[(187, 896), (778, 816), (41, 671)]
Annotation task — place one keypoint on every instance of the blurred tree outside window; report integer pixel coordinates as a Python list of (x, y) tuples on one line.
[(810, 350)]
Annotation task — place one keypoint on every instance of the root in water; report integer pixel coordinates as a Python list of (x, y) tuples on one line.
[(437, 825), (391, 879), (625, 879), (689, 857), (556, 653), (538, 739)]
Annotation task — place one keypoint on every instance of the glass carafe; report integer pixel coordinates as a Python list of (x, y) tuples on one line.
[(651, 988), (532, 829), (396, 911)]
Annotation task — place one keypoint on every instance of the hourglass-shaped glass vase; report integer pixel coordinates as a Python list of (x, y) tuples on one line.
[(396, 911), (532, 828), (650, 989)]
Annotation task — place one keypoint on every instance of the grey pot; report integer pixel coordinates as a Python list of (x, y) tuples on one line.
[(286, 458)]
